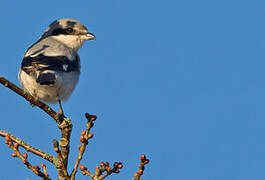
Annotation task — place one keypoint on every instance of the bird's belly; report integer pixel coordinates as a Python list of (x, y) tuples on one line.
[(60, 90)]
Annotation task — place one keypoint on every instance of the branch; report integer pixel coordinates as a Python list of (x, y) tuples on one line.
[(140, 172), (66, 129), (99, 172), (64, 124), (62, 171), (24, 159), (29, 148), (44, 169), (85, 135), (61, 161), (29, 98)]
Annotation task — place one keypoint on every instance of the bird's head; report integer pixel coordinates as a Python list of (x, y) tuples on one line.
[(68, 31)]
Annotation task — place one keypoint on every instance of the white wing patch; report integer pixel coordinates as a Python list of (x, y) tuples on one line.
[(65, 67)]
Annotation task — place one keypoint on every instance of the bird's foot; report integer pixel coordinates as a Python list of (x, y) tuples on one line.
[(60, 117), (60, 114)]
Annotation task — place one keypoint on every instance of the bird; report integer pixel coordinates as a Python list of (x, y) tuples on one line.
[(50, 68)]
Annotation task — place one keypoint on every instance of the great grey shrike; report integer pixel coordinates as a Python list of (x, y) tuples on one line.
[(51, 67)]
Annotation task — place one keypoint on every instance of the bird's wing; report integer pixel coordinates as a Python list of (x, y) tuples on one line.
[(40, 63)]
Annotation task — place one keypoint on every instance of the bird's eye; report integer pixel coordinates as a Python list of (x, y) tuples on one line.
[(69, 30)]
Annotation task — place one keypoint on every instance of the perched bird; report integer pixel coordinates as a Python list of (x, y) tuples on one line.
[(51, 67)]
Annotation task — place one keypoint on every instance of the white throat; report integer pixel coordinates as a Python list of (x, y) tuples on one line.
[(72, 41)]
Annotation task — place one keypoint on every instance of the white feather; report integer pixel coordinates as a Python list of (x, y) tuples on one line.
[(61, 90)]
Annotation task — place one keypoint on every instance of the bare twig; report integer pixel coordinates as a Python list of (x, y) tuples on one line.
[(61, 167), (140, 171), (85, 135), (66, 129), (29, 148), (29, 98), (62, 148), (99, 172), (64, 123), (24, 158), (44, 169)]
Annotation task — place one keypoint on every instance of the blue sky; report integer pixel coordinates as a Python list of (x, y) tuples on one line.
[(181, 81)]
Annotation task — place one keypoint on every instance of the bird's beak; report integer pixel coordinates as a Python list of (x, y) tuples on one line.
[(88, 36)]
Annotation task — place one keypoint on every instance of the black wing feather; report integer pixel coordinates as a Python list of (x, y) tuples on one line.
[(56, 63), (46, 79)]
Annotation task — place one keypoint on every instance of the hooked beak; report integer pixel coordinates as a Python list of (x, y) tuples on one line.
[(88, 36)]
